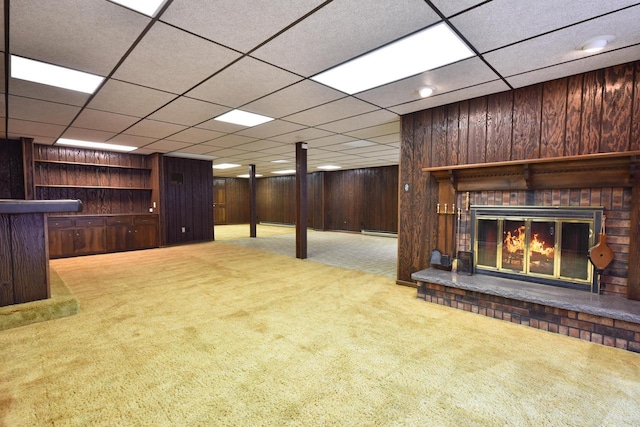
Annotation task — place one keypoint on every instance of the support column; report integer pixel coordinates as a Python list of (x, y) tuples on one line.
[(301, 200), (253, 214)]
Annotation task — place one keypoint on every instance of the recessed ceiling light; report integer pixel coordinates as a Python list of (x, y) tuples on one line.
[(329, 167), (53, 75), (148, 7), (96, 145), (280, 161), (246, 175), (426, 91), (285, 172), (425, 50), (225, 166), (596, 44), (243, 118), (359, 143)]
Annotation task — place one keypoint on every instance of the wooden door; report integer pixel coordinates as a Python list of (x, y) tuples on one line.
[(219, 204)]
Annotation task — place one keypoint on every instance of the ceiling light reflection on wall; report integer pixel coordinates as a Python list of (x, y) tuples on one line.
[(425, 50), (95, 145), (243, 118), (53, 75), (225, 166), (148, 7), (596, 44), (246, 175)]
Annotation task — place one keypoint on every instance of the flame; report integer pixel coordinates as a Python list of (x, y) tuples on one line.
[(514, 242)]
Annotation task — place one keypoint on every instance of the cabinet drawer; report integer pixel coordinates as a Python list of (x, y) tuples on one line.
[(119, 220), (60, 222), (145, 220), (89, 222)]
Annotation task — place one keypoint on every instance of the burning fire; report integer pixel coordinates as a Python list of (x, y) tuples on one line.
[(514, 242)]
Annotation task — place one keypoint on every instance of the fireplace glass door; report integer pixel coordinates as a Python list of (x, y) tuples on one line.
[(547, 248)]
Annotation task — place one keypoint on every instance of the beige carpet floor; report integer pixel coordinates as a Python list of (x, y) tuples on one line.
[(215, 334)]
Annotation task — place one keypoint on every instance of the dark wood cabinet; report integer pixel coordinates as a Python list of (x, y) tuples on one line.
[(84, 235)]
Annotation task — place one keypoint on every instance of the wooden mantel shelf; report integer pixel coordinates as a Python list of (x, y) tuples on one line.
[(592, 170)]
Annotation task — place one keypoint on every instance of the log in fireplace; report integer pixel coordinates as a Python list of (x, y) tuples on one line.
[(548, 245)]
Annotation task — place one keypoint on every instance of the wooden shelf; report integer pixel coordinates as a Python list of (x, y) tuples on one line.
[(593, 170), (93, 187), (98, 165)]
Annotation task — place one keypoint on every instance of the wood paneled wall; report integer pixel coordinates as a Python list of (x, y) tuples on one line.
[(350, 200), (11, 170), (594, 112), (188, 204)]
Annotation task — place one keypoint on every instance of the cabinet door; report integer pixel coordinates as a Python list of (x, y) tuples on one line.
[(118, 231), (144, 236), (89, 240), (61, 242)]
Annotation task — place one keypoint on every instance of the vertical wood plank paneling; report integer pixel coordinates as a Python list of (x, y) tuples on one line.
[(406, 224), (499, 127), (380, 208), (477, 146), (573, 128), (633, 290), (593, 85), (463, 126), (616, 108), (634, 144), (453, 134), (5, 172), (6, 275), (439, 137), (527, 113), (553, 118)]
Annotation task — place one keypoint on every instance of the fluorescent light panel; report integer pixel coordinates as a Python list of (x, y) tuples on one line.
[(95, 145), (280, 161), (225, 166), (53, 75), (425, 50), (190, 156), (243, 118), (329, 167), (148, 7), (285, 172)]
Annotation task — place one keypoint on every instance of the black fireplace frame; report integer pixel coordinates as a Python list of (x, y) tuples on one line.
[(593, 214)]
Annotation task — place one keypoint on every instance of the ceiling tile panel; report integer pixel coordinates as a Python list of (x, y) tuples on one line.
[(269, 129), (195, 135), (329, 140), (259, 145), (85, 35), (154, 129), (197, 149), (164, 146), (301, 135), (242, 82), (132, 140), (361, 121), (449, 97), (376, 131), (41, 111), (295, 98), (102, 120), (345, 107), (229, 141), (452, 77), (23, 127), (173, 60), (510, 22), (239, 24), (133, 100), (560, 46), (87, 135), (342, 30), (46, 93), (448, 7), (188, 112)]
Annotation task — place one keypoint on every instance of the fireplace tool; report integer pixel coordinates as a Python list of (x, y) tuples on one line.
[(601, 255)]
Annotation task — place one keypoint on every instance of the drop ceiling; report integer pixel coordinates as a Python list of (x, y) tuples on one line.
[(169, 76)]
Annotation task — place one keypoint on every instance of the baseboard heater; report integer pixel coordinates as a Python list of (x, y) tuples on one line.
[(379, 233)]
